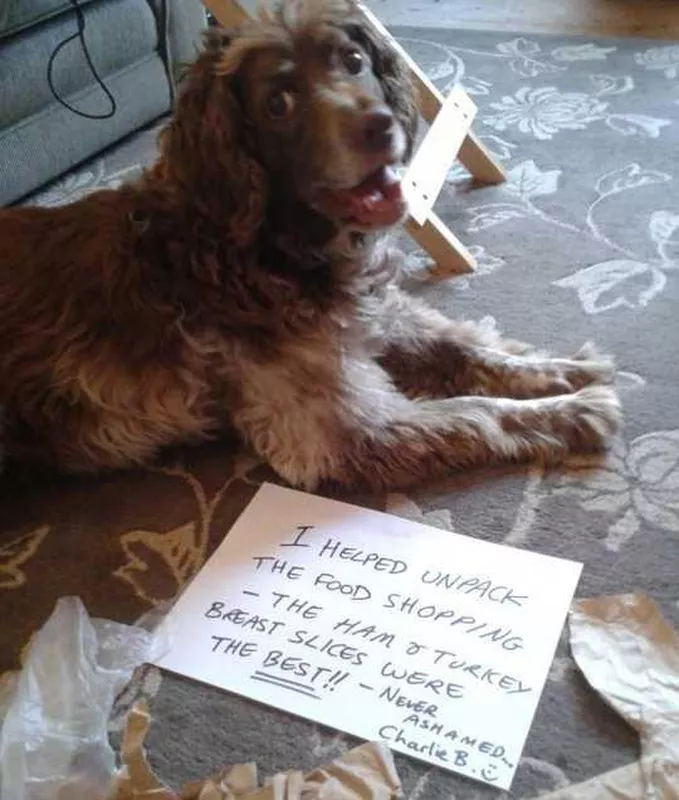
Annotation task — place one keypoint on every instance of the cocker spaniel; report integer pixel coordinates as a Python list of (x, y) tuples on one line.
[(243, 283)]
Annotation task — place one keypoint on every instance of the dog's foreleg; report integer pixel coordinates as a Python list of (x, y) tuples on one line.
[(362, 432), (429, 355)]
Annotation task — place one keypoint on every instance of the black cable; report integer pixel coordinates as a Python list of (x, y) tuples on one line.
[(164, 25), (80, 34)]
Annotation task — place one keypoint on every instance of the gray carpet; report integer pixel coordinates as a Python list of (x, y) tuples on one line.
[(581, 243)]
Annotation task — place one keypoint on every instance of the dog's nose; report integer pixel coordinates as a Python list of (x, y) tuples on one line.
[(377, 129)]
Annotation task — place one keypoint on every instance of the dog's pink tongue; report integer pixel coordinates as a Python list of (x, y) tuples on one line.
[(376, 199)]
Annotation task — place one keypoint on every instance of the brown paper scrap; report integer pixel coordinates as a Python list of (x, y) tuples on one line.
[(630, 656), (136, 778), (232, 782), (365, 773)]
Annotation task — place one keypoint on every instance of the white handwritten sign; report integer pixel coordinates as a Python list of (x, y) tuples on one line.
[(436, 643)]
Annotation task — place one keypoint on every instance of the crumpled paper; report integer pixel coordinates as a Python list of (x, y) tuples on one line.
[(630, 656), (622, 644), (365, 773)]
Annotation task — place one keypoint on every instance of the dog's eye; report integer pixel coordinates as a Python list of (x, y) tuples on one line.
[(280, 103), (354, 61)]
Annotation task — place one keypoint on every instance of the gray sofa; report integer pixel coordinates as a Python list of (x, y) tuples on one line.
[(138, 48)]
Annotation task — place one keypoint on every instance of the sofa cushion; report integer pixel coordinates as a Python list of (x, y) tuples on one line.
[(16, 15), (117, 32), (41, 147), (183, 35)]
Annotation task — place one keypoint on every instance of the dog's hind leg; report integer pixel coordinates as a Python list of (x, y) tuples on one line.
[(83, 439), (429, 355), (360, 431)]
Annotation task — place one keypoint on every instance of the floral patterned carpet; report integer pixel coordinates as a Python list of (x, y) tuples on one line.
[(581, 243)]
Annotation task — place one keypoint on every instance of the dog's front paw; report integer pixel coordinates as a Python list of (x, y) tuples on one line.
[(588, 366), (535, 376), (591, 417)]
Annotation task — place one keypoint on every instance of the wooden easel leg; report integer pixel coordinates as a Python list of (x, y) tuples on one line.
[(227, 12), (473, 153), (479, 162), (451, 257)]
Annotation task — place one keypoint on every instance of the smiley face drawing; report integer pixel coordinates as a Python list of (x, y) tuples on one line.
[(489, 773)]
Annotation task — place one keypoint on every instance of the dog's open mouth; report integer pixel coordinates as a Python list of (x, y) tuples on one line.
[(375, 202)]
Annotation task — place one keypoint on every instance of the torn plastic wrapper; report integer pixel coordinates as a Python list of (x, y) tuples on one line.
[(365, 773), (54, 738), (54, 743), (630, 656)]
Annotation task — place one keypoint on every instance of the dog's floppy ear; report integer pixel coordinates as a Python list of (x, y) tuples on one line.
[(393, 74), (206, 150)]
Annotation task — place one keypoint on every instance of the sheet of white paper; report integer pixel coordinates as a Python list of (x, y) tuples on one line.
[(436, 643)]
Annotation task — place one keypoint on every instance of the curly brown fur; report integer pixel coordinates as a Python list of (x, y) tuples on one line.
[(243, 283)]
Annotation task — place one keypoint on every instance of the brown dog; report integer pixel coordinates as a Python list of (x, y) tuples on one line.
[(239, 284)]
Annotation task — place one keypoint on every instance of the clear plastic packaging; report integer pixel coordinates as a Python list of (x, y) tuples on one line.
[(53, 741)]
